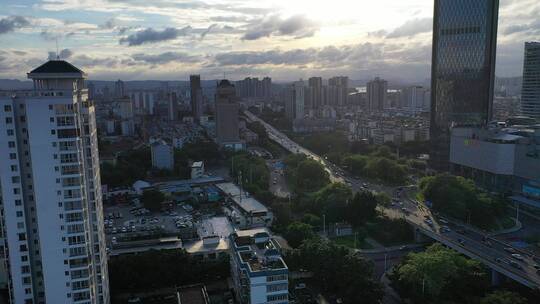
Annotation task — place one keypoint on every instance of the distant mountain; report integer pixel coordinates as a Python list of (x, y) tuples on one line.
[(14, 84)]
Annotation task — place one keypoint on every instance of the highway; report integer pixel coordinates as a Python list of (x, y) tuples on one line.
[(514, 263)]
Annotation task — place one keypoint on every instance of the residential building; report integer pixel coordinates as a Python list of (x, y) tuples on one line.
[(162, 155), (377, 94), (462, 70), (253, 88), (530, 92), (119, 89), (294, 105), (337, 91), (315, 89), (227, 125), (196, 96), (414, 99), (259, 273), (51, 191)]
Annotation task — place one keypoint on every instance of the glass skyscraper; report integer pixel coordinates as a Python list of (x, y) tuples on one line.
[(463, 69), (530, 92)]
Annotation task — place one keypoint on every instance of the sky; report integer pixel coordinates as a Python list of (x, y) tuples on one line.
[(284, 39)]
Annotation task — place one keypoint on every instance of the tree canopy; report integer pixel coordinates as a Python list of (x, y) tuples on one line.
[(152, 199)]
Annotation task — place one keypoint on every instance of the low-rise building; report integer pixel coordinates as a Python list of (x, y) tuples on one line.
[(244, 210), (197, 169), (259, 273)]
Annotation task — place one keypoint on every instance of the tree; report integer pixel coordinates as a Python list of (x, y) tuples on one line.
[(331, 201), (152, 199), (337, 270), (310, 176), (458, 197), (361, 208), (440, 274), (297, 232), (503, 297)]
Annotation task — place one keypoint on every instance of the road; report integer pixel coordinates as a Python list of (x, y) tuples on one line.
[(463, 238)]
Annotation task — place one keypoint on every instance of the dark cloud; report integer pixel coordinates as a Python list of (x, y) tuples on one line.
[(412, 27), (109, 24), (529, 28), (330, 55), (150, 35), (297, 26), (166, 58), (203, 34), (11, 23), (64, 54), (92, 62)]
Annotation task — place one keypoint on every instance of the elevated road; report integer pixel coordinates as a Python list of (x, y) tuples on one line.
[(518, 265)]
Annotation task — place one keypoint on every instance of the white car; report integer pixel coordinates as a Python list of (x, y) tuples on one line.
[(518, 257)]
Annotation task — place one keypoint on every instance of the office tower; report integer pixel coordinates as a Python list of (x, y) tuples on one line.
[(338, 88), (530, 93), (50, 190), (227, 108), (462, 70), (196, 96), (294, 105), (119, 89), (172, 106), (267, 88), (315, 92), (377, 90), (162, 155)]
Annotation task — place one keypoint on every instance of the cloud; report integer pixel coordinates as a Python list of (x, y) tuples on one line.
[(203, 34), (109, 24), (11, 23), (64, 54), (297, 26), (412, 27), (150, 35), (166, 58)]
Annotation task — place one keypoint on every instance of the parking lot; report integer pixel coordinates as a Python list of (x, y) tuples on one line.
[(126, 220)]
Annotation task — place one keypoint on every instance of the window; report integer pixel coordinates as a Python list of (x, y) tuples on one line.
[(53, 132), (10, 132), (75, 228), (22, 118), (69, 158), (74, 217), (20, 225), (15, 179), (75, 205), (65, 121), (25, 269), (16, 191), (7, 108), (19, 213), (75, 240), (71, 181), (24, 258), (276, 287), (280, 277), (67, 133), (11, 144), (12, 155), (9, 120), (18, 202), (14, 168), (280, 297), (22, 236), (51, 119)]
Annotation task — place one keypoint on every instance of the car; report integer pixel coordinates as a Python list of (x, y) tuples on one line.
[(403, 247), (113, 240), (515, 264), (510, 250), (442, 221), (114, 230), (300, 286), (518, 257), (536, 266), (124, 229)]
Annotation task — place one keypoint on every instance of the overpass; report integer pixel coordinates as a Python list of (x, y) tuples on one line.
[(464, 239)]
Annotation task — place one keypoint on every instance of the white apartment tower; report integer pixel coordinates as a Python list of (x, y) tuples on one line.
[(52, 222)]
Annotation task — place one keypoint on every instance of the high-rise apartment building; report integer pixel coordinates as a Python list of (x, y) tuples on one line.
[(530, 92), (254, 88), (227, 107), (338, 89), (196, 96), (463, 70), (295, 103), (50, 190), (315, 89), (119, 89), (377, 90)]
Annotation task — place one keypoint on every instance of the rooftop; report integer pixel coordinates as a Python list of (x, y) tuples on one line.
[(242, 199), (56, 67), (258, 250)]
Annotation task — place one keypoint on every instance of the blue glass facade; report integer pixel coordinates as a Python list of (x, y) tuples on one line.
[(463, 68), (530, 93)]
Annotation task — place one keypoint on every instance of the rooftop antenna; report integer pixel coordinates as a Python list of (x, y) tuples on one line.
[(57, 54)]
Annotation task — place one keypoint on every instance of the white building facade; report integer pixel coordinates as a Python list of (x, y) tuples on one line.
[(54, 242)]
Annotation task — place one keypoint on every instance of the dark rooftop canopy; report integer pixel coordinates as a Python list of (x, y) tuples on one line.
[(56, 66)]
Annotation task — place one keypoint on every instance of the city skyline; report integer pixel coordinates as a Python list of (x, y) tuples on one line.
[(168, 40)]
